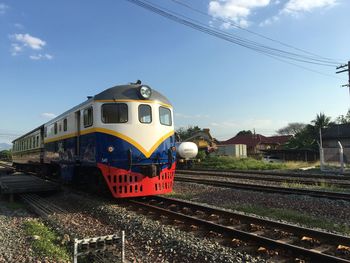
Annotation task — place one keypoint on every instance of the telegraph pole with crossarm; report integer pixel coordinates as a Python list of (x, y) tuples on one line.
[(345, 68)]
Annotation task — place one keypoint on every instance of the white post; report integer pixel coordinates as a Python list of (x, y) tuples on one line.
[(321, 153), (75, 255), (123, 247), (341, 157)]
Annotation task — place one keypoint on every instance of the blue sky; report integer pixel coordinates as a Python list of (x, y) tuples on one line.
[(55, 53)]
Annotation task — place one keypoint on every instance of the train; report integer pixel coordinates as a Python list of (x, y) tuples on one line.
[(121, 139)]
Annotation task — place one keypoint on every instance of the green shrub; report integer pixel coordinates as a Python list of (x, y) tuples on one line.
[(45, 242), (225, 162)]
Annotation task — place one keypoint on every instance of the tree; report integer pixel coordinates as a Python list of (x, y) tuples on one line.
[(6, 155), (341, 119), (245, 132), (304, 139), (321, 121), (185, 133), (291, 129)]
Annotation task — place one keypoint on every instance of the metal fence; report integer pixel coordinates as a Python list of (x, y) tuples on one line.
[(335, 159), (98, 247)]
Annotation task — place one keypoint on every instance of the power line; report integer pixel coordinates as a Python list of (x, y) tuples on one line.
[(232, 23), (229, 37)]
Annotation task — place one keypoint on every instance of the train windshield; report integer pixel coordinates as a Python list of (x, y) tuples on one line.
[(145, 113), (114, 113), (165, 116)]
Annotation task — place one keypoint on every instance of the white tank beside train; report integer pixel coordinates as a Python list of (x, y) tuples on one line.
[(187, 150)]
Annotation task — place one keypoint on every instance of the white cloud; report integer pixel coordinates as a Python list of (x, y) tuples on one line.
[(41, 57), (21, 42), (3, 8), (15, 49), (269, 21), (29, 41), (236, 10), (48, 115), (296, 6)]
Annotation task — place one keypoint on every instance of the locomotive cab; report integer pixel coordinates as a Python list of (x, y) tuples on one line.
[(123, 135)]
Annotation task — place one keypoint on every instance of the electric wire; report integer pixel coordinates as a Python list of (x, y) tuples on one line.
[(229, 37), (233, 24)]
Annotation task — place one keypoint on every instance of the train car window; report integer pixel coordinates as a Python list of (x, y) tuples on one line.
[(55, 128), (65, 124), (165, 116), (145, 113), (37, 141), (88, 118), (45, 132), (114, 113)]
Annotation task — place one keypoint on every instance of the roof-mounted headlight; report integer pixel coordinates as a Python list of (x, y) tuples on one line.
[(145, 92)]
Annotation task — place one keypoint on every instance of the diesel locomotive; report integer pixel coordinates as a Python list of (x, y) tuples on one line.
[(121, 139)]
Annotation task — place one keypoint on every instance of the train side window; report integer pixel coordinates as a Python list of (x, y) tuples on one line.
[(65, 124), (165, 116), (145, 113), (114, 113), (88, 118), (37, 141), (45, 132), (55, 128)]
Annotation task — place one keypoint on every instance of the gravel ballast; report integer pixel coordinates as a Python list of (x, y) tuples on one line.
[(337, 211), (149, 240), (14, 245)]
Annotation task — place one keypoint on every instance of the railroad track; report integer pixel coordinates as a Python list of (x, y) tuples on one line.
[(319, 175), (265, 188), (340, 181), (277, 240), (40, 206)]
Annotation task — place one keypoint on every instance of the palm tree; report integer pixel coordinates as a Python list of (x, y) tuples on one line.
[(321, 121)]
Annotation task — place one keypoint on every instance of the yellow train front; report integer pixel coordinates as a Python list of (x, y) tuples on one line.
[(122, 137)]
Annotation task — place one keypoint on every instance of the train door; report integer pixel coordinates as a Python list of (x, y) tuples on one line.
[(77, 123)]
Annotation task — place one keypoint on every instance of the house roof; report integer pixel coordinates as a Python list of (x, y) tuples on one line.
[(251, 140), (336, 131)]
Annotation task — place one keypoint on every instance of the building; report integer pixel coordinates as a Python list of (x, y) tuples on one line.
[(257, 143), (330, 138)]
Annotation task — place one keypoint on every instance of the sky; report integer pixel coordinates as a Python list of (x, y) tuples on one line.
[(55, 53)]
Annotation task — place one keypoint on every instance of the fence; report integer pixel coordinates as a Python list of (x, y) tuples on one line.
[(336, 158)]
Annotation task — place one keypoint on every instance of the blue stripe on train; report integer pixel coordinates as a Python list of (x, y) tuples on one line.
[(94, 149)]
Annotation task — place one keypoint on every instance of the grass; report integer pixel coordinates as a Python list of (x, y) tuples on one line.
[(279, 214), (231, 163), (45, 242), (293, 216)]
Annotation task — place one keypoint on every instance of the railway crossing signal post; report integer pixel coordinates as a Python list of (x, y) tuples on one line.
[(345, 68)]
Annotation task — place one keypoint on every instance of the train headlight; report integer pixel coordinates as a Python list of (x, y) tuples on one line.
[(110, 149), (145, 92)]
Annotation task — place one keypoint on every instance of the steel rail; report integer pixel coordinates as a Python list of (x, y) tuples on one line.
[(161, 205), (40, 205), (269, 189), (340, 181), (337, 176)]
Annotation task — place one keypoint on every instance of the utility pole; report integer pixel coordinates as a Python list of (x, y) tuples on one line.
[(345, 68)]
